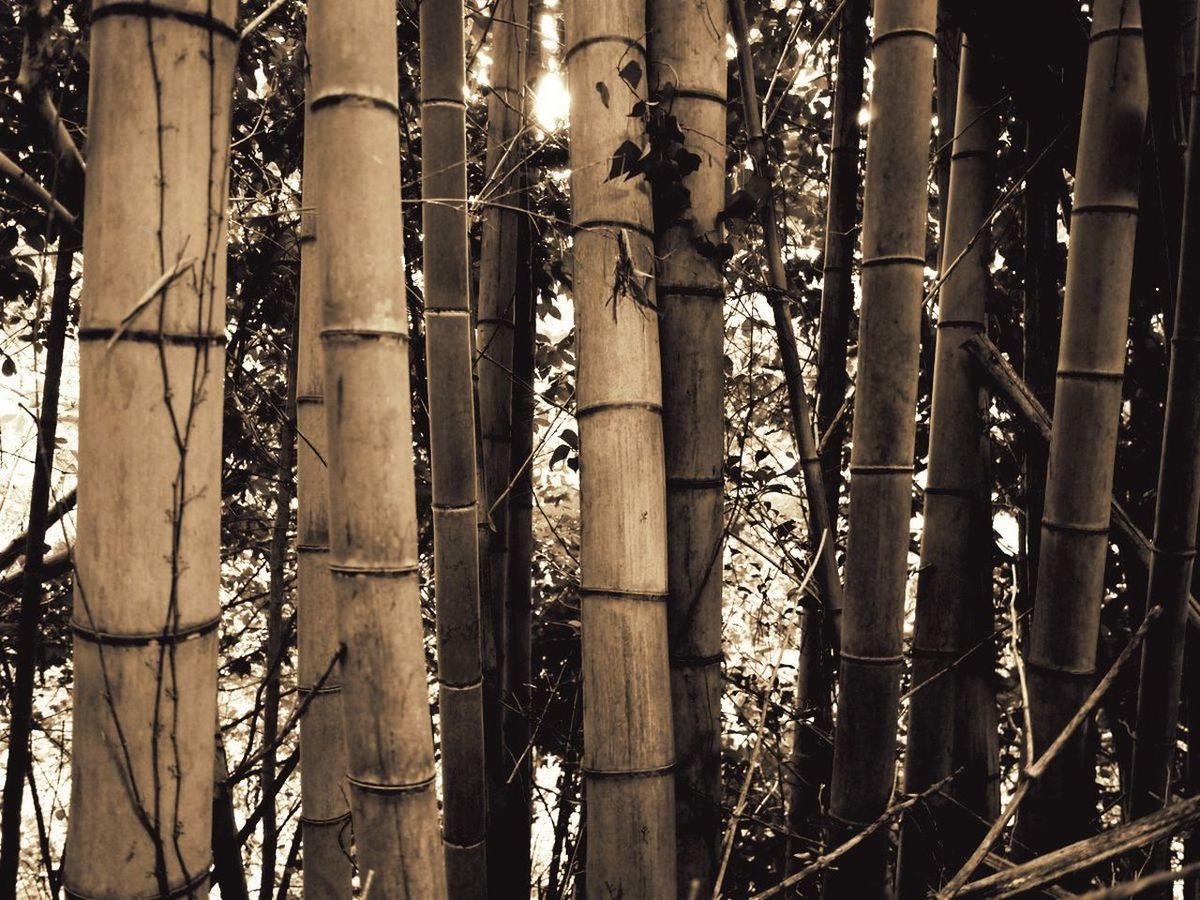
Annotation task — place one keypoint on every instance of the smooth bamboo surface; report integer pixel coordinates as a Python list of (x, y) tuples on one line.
[(325, 812), (448, 354), (147, 555), (1087, 404), (629, 748), (687, 63), (881, 460), (372, 509)]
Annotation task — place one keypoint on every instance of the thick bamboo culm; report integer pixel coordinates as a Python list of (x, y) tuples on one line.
[(372, 508), (954, 584), (496, 304), (325, 813), (629, 750), (1175, 522), (687, 63), (1070, 582), (841, 233), (448, 354), (881, 461), (147, 556)]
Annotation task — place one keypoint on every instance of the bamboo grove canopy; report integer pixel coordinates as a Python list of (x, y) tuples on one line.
[(648, 449)]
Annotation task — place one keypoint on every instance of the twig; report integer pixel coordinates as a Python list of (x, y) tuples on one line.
[(1134, 888), (161, 284)]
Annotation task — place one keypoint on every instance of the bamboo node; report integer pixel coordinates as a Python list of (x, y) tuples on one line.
[(589, 224), (375, 787), (460, 685), (1125, 208), (187, 889), (682, 661), (973, 324), (1090, 375), (1066, 671), (872, 660), (446, 842), (142, 336), (880, 469), (337, 98), (1115, 31), (903, 32), (698, 94), (331, 820), (695, 484), (163, 638), (652, 772), (893, 259), (352, 571), (138, 10), (1076, 527), (444, 101), (363, 334), (668, 289), (622, 39), (323, 689), (592, 408), (618, 594)]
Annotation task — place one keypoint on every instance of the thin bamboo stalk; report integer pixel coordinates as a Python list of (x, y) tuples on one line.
[(372, 508), (629, 750), (148, 529), (448, 354), (954, 584), (687, 64), (1175, 521), (1070, 585), (324, 810), (881, 461)]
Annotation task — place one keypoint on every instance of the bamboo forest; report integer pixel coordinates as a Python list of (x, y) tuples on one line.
[(599, 449)]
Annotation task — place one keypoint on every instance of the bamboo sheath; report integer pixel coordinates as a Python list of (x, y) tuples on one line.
[(954, 584), (448, 352), (687, 64), (629, 747), (152, 363), (1175, 521), (1075, 523), (372, 510), (881, 462), (325, 813)]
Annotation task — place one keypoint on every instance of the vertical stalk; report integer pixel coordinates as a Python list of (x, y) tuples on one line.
[(325, 812), (629, 753), (147, 556), (687, 64), (1070, 585), (881, 460), (29, 620), (954, 584), (448, 352), (372, 508), (1175, 523)]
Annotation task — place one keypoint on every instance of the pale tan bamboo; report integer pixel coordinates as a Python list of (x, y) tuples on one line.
[(372, 509), (688, 66), (628, 744), (881, 459), (1087, 404), (151, 369), (325, 813), (448, 352), (954, 584)]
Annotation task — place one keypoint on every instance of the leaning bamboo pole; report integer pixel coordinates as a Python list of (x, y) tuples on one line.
[(881, 461), (687, 64), (494, 347), (629, 750), (151, 370), (954, 584), (448, 354), (325, 813), (372, 508), (1175, 520), (1070, 585), (841, 232)]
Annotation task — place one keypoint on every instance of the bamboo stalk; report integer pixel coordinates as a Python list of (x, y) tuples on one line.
[(954, 584), (148, 533), (687, 65), (324, 810), (372, 508), (1075, 524), (448, 353), (629, 751), (881, 462), (1175, 521)]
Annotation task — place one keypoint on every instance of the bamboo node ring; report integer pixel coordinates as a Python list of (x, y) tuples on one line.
[(652, 772), (375, 787), (203, 21), (163, 638)]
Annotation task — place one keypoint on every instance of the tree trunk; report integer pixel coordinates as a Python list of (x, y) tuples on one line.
[(325, 813), (147, 555), (228, 873), (1074, 541), (29, 621), (372, 509), (629, 753), (841, 223), (881, 461), (452, 446), (494, 345), (688, 66), (1175, 522), (954, 584)]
